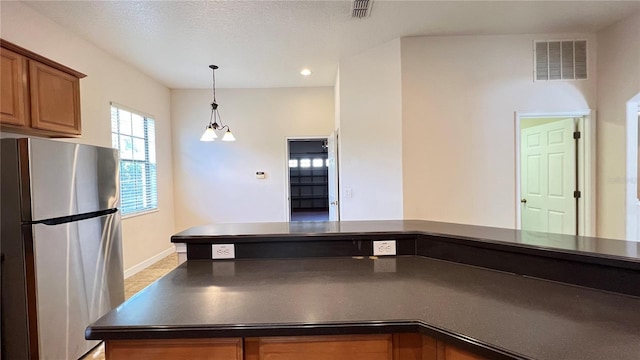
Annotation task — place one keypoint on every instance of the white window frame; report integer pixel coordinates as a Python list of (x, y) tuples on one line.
[(146, 190)]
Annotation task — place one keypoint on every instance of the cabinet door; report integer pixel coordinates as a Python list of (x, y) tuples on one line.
[(55, 99), (179, 349), (411, 346), (13, 78), (453, 353), (348, 347)]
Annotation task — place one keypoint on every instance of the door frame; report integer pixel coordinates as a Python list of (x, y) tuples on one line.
[(632, 203), (586, 167), (336, 135), (287, 185)]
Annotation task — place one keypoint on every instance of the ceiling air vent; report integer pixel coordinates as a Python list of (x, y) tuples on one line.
[(560, 60), (361, 8)]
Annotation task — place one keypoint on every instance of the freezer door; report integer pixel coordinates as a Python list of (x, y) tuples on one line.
[(79, 278), (68, 179)]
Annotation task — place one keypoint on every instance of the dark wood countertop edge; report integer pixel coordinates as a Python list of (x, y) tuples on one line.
[(270, 330), (249, 238), (565, 254)]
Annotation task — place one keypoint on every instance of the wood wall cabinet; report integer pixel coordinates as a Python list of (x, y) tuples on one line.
[(406, 346), (13, 108), (39, 96)]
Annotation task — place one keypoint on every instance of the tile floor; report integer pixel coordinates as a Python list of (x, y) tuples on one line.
[(136, 283)]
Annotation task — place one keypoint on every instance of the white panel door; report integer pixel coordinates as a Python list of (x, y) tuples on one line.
[(548, 177), (332, 163)]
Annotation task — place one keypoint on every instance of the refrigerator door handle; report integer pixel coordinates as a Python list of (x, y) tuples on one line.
[(72, 218)]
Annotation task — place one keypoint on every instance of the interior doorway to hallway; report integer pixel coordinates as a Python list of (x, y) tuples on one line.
[(308, 179), (554, 174)]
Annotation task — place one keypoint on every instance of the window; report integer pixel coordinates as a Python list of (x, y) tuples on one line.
[(134, 135), (305, 163), (317, 162), (293, 163)]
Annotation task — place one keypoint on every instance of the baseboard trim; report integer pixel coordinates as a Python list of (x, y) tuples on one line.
[(150, 261)]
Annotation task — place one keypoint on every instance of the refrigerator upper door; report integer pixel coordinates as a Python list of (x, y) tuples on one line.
[(79, 278), (68, 179)]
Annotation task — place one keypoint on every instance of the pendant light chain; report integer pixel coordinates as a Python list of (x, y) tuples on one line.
[(214, 85)]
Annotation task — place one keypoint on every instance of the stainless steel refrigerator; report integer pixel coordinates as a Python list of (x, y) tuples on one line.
[(61, 246)]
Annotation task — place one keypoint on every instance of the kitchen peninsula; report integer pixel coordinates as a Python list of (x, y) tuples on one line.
[(452, 292)]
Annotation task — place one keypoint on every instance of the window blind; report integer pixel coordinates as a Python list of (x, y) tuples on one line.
[(134, 136)]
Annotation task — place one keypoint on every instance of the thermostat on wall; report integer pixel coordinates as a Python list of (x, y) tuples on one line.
[(260, 175)]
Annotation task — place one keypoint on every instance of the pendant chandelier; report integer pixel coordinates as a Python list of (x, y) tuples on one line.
[(215, 122)]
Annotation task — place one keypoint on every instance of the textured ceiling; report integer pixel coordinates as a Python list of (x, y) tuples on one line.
[(267, 43)]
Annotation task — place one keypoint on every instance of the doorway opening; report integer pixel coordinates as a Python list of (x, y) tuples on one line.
[(308, 179), (555, 173)]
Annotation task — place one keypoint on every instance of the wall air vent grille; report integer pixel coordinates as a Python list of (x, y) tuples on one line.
[(560, 60), (361, 8)]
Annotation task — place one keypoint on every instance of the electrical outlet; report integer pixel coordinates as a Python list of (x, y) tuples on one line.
[(384, 247), (223, 251)]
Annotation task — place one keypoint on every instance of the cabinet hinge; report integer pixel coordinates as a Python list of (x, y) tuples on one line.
[(576, 135), (577, 194)]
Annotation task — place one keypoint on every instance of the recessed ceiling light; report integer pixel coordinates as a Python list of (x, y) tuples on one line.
[(305, 72)]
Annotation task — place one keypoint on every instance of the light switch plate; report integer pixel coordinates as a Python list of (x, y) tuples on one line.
[(384, 247), (348, 192), (223, 251)]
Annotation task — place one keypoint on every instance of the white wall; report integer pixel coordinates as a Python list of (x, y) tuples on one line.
[(618, 82), (215, 182), (108, 79), (371, 134), (459, 98)]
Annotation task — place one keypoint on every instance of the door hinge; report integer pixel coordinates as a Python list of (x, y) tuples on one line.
[(577, 194), (576, 135)]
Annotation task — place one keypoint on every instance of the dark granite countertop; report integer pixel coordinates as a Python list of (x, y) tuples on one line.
[(627, 252), (526, 317)]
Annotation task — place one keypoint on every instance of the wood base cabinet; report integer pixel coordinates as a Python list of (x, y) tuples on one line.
[(38, 96), (453, 353), (421, 347), (178, 349), (341, 347), (350, 347)]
